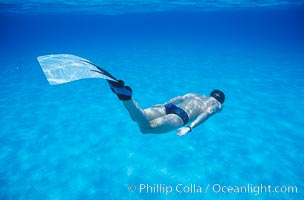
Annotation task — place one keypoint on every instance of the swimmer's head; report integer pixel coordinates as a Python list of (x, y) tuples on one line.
[(218, 95)]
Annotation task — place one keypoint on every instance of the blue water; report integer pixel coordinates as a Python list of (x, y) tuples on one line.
[(76, 140)]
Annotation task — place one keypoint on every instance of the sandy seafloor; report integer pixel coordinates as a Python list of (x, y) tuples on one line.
[(76, 140)]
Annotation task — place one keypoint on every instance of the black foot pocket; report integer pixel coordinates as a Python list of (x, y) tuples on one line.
[(124, 93)]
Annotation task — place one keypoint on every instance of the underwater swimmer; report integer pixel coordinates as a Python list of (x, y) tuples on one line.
[(182, 113), (174, 114)]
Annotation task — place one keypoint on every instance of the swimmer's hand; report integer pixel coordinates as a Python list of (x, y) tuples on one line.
[(183, 131)]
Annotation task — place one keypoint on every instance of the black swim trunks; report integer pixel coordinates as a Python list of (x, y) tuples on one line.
[(173, 109)]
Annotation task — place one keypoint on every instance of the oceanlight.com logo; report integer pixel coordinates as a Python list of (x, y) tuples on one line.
[(208, 188)]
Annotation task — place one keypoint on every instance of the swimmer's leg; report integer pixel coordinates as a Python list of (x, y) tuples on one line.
[(152, 120), (155, 112), (165, 124), (162, 124), (124, 93), (137, 114)]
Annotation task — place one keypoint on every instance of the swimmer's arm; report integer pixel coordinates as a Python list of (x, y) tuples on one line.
[(204, 116), (200, 119)]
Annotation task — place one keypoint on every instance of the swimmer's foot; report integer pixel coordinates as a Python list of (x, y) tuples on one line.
[(123, 92)]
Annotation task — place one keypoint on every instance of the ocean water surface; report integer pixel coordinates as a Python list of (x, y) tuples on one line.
[(77, 141)]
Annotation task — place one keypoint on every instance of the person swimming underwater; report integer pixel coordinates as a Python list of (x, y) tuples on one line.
[(183, 113), (174, 114)]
